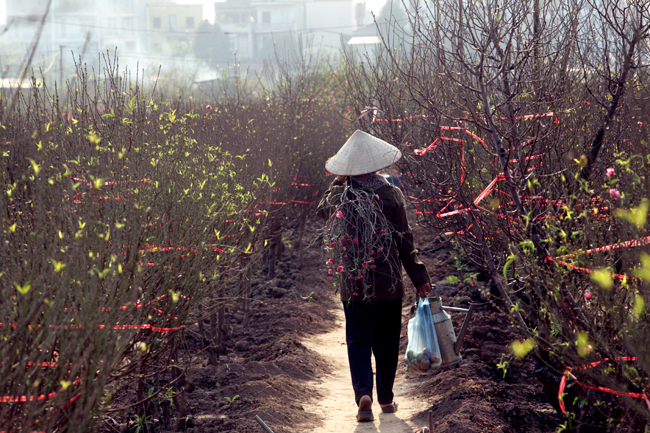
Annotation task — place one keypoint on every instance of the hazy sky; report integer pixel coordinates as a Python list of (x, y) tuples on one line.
[(208, 9)]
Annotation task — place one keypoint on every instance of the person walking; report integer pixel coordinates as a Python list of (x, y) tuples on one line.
[(368, 239)]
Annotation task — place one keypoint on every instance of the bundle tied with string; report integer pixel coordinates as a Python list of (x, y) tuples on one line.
[(358, 236)]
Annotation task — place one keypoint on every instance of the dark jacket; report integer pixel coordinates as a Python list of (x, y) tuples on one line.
[(386, 284)]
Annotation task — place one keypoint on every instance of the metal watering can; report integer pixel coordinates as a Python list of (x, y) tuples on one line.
[(449, 344)]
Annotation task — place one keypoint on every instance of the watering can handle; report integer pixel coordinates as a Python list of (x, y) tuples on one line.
[(463, 329), (455, 309)]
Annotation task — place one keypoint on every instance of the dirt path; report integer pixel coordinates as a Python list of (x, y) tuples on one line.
[(337, 409)]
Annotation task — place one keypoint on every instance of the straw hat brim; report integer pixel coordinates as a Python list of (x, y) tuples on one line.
[(362, 154)]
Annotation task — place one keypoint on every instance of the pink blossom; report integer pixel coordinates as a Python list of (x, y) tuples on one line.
[(372, 266), (340, 268), (329, 272), (339, 214), (333, 244), (588, 295), (378, 250), (331, 261), (344, 249), (208, 107), (376, 196), (614, 193), (355, 241), (364, 264), (639, 123), (383, 232), (610, 172), (346, 256)]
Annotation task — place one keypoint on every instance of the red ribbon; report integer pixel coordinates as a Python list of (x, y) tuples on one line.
[(567, 372), (587, 270), (145, 326), (24, 398)]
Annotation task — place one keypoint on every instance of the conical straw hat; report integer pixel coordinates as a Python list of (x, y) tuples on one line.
[(362, 154)]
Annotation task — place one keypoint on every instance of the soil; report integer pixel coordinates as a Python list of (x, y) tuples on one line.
[(289, 365)]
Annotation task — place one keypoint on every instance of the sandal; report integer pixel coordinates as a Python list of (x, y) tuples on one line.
[(391, 408), (365, 409), (365, 416)]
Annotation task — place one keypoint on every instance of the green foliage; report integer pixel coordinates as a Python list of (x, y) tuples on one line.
[(231, 400), (210, 43), (522, 348), (124, 214), (636, 216), (504, 365)]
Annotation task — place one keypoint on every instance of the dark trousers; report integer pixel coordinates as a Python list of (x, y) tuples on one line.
[(373, 328)]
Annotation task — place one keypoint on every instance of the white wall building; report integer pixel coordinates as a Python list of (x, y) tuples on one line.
[(252, 25), (74, 24)]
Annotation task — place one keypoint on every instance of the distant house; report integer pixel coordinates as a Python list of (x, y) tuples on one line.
[(77, 25), (364, 41), (171, 24), (253, 25), (136, 28)]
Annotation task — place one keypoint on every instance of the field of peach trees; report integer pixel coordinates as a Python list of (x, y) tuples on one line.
[(129, 215)]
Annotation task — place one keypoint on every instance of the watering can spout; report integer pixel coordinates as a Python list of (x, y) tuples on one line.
[(463, 330)]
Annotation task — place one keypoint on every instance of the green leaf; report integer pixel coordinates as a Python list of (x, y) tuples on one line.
[(131, 104), (636, 216), (58, 266), (521, 348), (603, 278), (643, 273), (452, 279), (511, 259), (24, 288), (582, 344), (639, 305), (94, 138), (35, 166)]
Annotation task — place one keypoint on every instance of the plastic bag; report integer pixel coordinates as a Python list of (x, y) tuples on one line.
[(422, 352)]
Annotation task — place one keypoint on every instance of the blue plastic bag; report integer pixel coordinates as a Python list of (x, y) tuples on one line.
[(422, 352)]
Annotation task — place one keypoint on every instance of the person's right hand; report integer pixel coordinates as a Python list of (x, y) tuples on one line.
[(341, 178), (423, 290)]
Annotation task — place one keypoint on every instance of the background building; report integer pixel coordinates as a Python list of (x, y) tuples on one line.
[(171, 25), (254, 25), (141, 31), (164, 32)]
